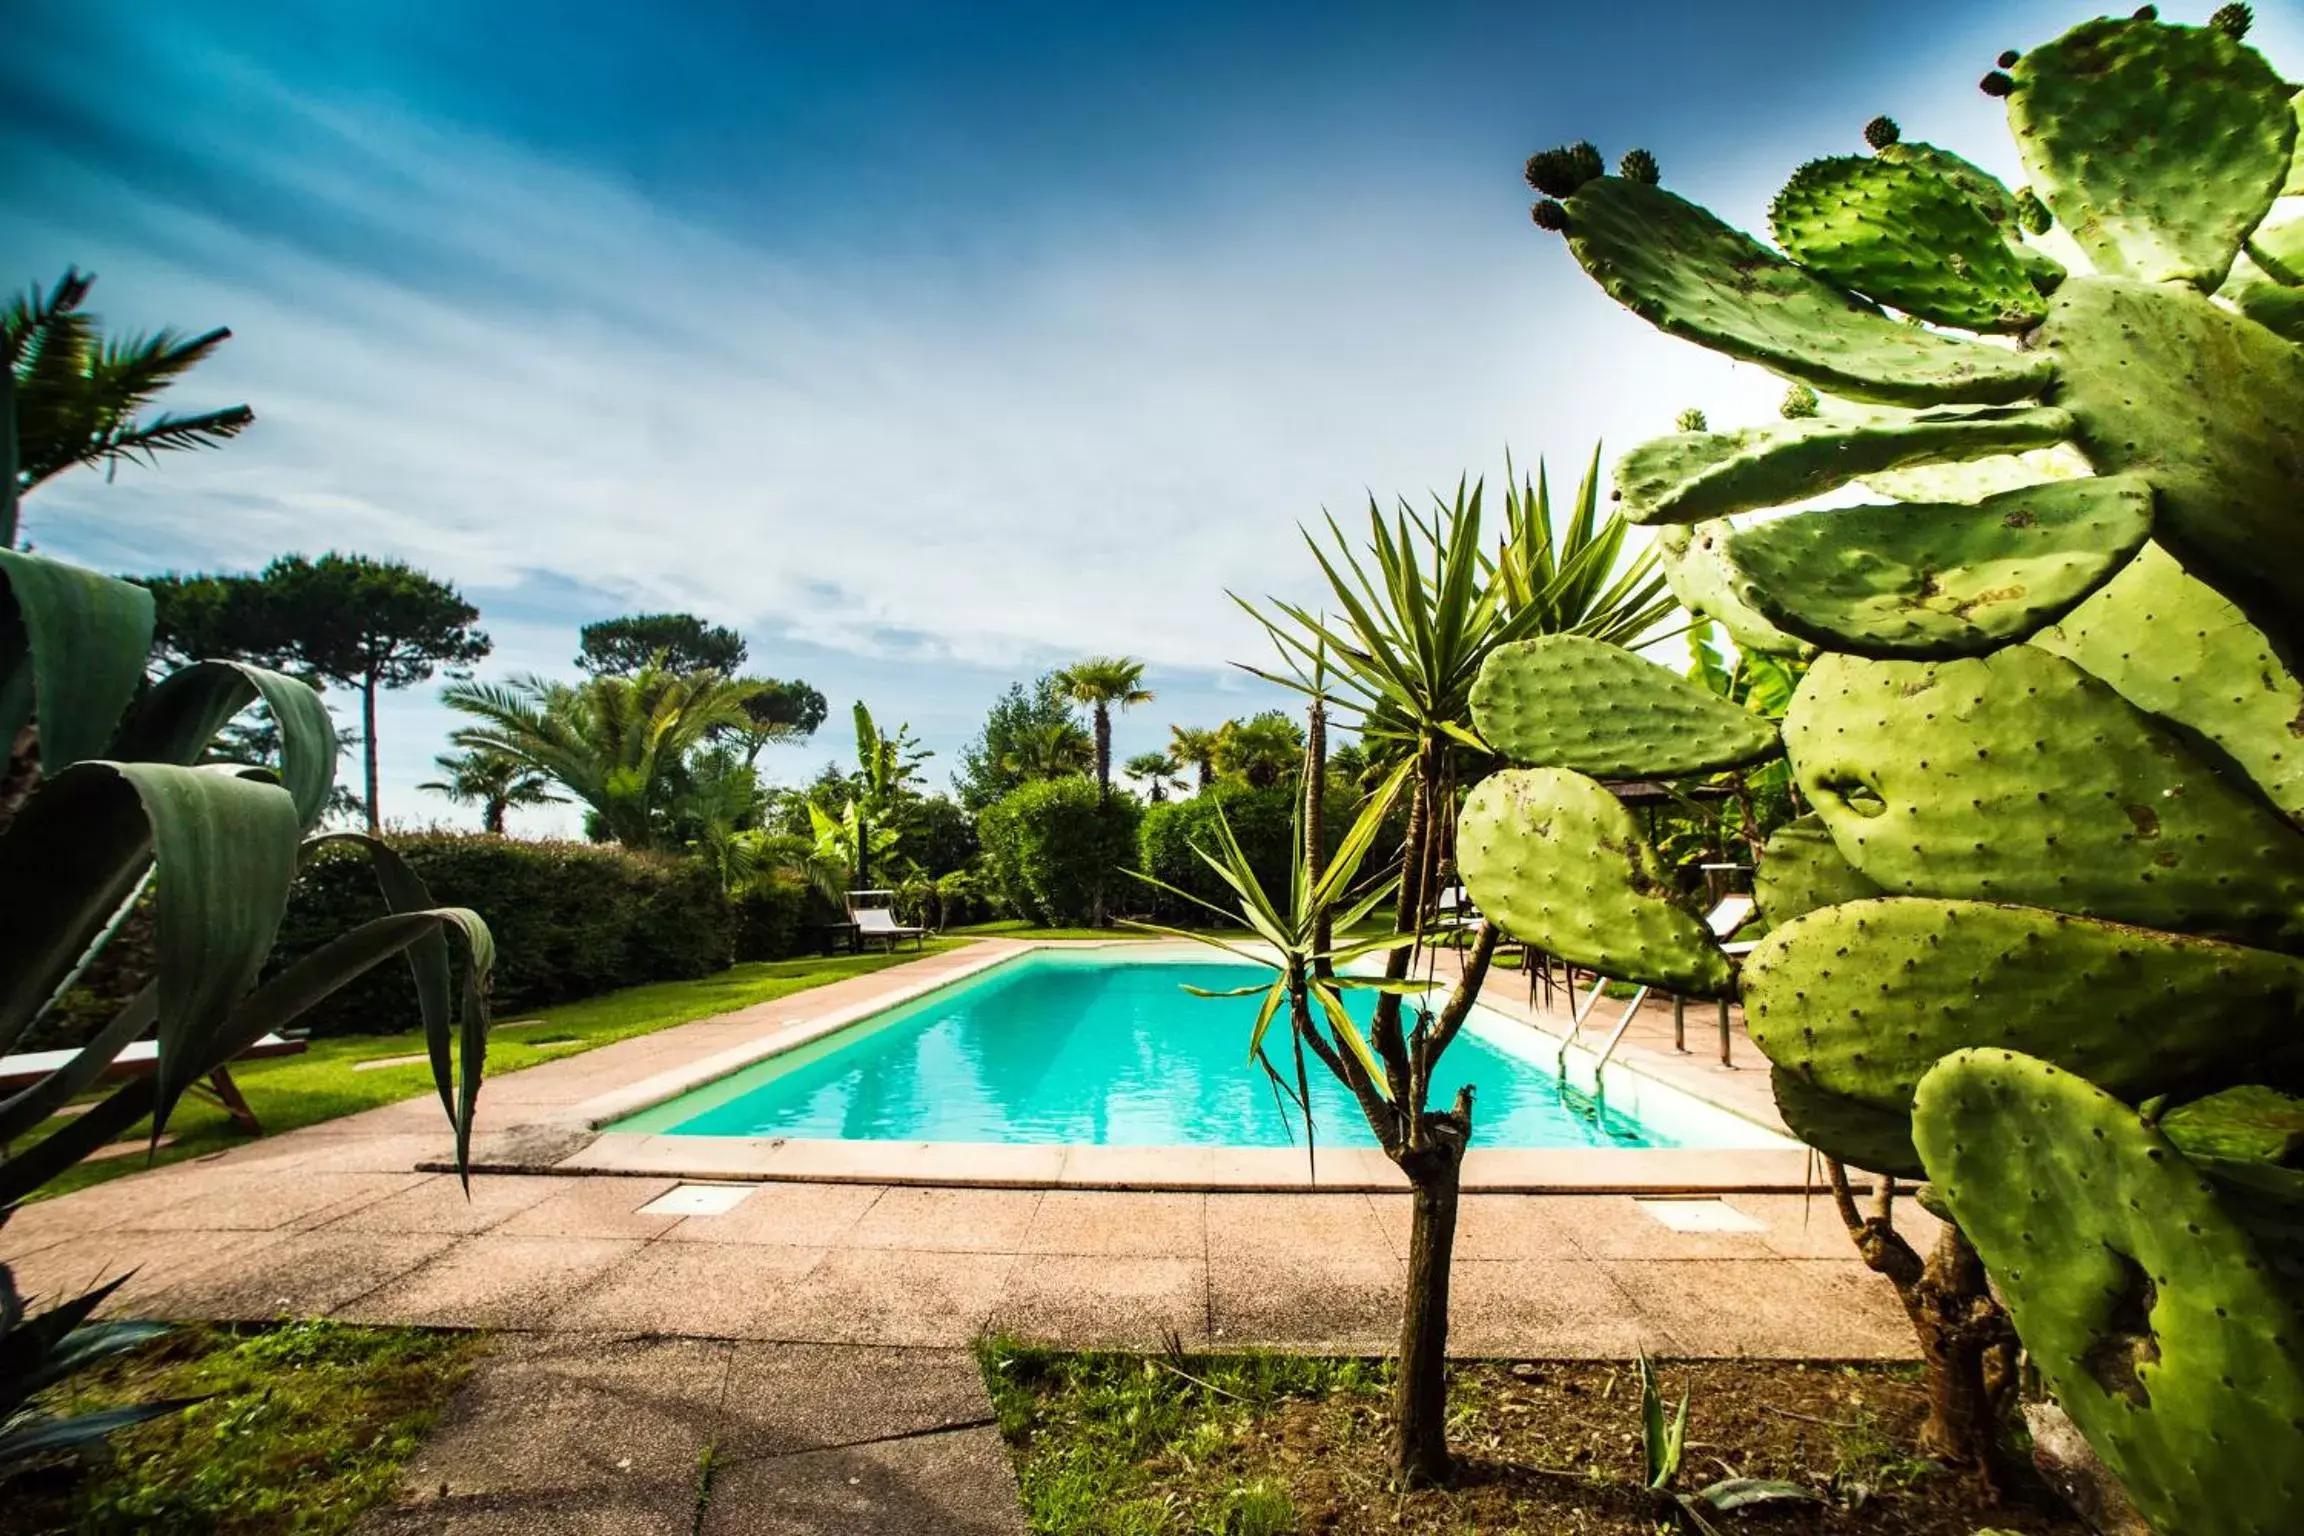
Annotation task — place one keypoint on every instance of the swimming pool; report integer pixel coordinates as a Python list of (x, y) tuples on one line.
[(1088, 1048)]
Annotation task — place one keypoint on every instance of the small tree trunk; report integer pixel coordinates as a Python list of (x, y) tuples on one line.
[(1103, 754), (1420, 1393), (1315, 811), (1206, 768), (1967, 1344), (368, 749)]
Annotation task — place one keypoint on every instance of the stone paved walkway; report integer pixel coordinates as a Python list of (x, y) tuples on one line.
[(663, 1334)]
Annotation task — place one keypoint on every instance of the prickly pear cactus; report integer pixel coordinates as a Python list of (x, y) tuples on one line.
[(1567, 701), (2160, 1324), (2042, 939), (2160, 149)]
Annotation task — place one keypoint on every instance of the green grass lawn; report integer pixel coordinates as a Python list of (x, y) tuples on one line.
[(321, 1084), (300, 1429)]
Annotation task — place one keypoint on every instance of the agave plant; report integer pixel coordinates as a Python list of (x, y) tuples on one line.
[(126, 811)]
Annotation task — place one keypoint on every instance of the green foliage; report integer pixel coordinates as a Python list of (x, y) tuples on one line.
[(617, 744), (78, 393), (993, 764), (1262, 819), (1101, 683), (671, 642), (491, 780), (294, 1430), (1263, 750), (571, 920), (1055, 851)]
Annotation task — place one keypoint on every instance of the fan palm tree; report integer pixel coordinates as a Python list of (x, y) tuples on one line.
[(612, 742), (1101, 682), (1157, 771), (1056, 750), (1262, 749), (78, 393), (493, 781), (1194, 748)]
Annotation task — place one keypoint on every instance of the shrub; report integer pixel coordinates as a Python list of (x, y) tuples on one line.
[(1051, 852), (1264, 821), (571, 920), (773, 915)]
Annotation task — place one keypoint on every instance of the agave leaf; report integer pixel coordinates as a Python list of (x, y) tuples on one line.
[(178, 719), (39, 1435), (72, 650)]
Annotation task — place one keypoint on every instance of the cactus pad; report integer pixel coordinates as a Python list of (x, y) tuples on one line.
[(1691, 476), (1686, 272), (1844, 1130), (1562, 865), (1989, 193), (2272, 304), (2156, 1319), (2017, 777), (2159, 147), (1696, 568), (1801, 871), (2173, 647), (1568, 701), (1861, 999), (1908, 579), (1906, 237), (2279, 250), (2208, 407), (2250, 1140)]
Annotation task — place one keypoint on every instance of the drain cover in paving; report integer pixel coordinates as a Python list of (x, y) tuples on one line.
[(698, 1200), (1698, 1216)]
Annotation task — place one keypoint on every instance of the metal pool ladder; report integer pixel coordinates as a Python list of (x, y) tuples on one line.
[(1579, 1015)]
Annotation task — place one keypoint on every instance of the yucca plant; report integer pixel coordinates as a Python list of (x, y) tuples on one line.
[(127, 811)]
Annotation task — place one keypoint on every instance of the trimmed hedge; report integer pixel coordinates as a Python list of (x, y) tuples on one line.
[(1264, 822), (571, 920), (1050, 851)]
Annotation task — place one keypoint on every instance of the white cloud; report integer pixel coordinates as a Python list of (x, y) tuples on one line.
[(1067, 439)]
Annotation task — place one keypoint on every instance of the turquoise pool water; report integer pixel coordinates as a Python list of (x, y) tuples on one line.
[(1081, 1049)]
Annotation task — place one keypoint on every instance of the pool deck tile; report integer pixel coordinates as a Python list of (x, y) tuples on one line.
[(332, 1220)]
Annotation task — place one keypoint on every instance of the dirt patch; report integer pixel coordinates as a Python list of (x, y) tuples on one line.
[(1545, 1448)]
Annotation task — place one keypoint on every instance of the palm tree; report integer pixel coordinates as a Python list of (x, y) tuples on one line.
[(1101, 682), (1157, 770), (1194, 748), (78, 393), (493, 781), (1263, 749), (613, 742), (1056, 750)]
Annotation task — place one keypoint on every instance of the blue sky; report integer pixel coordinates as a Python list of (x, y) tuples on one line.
[(930, 345)]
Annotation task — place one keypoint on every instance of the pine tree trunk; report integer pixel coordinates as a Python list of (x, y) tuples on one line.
[(368, 750), (1420, 1393)]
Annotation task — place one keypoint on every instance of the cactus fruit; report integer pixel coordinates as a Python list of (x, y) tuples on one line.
[(1568, 701), (1696, 568), (2032, 213), (1696, 474), (2173, 647), (1681, 269), (1638, 165), (2233, 20), (1559, 172), (1906, 237), (1882, 132), (1561, 864), (1690, 419), (2171, 205), (1799, 403), (1800, 871), (1914, 580), (2017, 777), (1861, 999), (2174, 1345)]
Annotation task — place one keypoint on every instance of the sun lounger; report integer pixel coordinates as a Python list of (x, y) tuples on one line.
[(880, 923), (139, 1058)]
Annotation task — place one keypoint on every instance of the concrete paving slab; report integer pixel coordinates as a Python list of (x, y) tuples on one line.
[(257, 1202), (1337, 1304), (552, 1428), (955, 1484), (947, 1220), (1266, 1226), (1780, 1308), (493, 1282), (1505, 1308), (894, 1296), (731, 1291), (1105, 1301), (603, 1207), (1614, 1227), (442, 1204), (151, 1261), (783, 1398), (303, 1274), (1117, 1222), (799, 1215)]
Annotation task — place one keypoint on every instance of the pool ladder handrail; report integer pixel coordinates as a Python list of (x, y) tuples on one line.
[(1577, 1016)]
